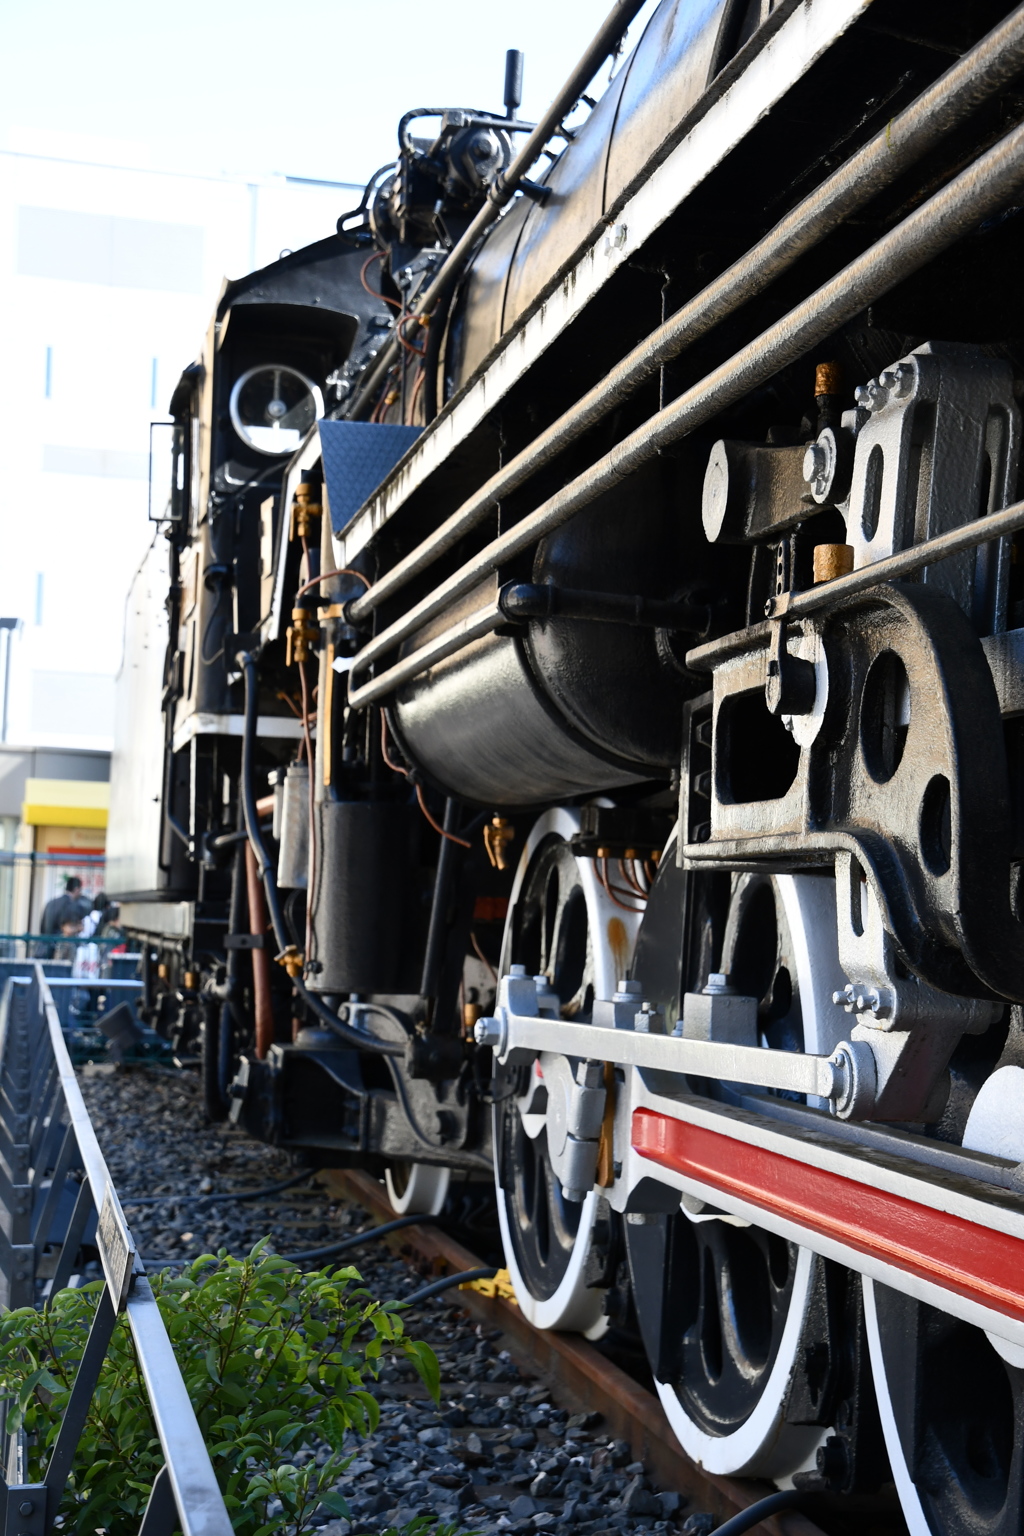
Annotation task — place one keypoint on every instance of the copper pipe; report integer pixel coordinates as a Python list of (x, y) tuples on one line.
[(258, 927)]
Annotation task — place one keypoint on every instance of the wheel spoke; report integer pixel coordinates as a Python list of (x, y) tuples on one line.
[(555, 910), (724, 1345)]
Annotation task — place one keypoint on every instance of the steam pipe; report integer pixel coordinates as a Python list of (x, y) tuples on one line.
[(356, 1038), (262, 1006), (959, 207), (438, 927), (503, 188), (985, 69)]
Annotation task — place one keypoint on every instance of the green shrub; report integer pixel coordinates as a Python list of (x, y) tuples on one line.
[(272, 1358)]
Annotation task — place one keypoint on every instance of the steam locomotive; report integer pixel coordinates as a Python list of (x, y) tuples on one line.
[(572, 723)]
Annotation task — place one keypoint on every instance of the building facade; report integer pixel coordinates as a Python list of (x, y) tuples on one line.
[(109, 276)]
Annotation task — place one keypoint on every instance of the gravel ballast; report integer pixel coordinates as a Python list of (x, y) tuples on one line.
[(499, 1453)]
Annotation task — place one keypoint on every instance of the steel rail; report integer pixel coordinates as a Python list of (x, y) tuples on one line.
[(972, 80), (980, 190), (504, 187)]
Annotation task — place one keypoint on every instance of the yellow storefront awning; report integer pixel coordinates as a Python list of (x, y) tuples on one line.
[(65, 803)]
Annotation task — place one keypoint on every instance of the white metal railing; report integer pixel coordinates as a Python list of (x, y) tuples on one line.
[(47, 1143)]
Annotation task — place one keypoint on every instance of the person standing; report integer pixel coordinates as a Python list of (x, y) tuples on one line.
[(67, 907)]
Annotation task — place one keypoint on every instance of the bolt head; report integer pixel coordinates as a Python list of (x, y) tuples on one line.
[(904, 377), (26, 1507), (517, 970), (815, 462), (487, 1032)]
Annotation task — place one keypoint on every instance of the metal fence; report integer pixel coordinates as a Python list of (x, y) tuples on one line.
[(111, 950), (54, 1188)]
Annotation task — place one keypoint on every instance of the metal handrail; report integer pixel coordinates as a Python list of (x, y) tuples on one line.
[(46, 1137)]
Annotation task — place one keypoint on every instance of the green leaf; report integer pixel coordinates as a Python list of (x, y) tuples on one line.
[(425, 1361), (336, 1503), (270, 1357)]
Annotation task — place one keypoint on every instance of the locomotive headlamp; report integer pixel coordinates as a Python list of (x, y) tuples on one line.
[(272, 408)]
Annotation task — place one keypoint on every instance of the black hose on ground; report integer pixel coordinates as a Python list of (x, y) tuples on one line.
[(485, 1272), (358, 1039), (331, 1249), (358, 1238), (755, 1513), (234, 1194)]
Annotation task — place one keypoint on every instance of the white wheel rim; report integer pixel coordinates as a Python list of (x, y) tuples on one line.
[(764, 1444), (425, 1191), (913, 1513), (573, 1306)]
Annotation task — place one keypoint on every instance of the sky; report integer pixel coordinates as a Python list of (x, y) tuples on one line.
[(231, 95), (257, 86)]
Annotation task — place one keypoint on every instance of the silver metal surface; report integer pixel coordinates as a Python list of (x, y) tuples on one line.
[(200, 1505), (42, 1105), (279, 727), (518, 1036), (996, 526), (981, 72), (293, 833), (978, 191)]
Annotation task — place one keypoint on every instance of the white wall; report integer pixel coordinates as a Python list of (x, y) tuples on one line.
[(109, 276)]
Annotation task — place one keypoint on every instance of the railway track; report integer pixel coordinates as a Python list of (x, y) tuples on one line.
[(134, 1113), (576, 1371)]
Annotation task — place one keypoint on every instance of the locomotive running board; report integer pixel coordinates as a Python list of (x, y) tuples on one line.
[(946, 1238)]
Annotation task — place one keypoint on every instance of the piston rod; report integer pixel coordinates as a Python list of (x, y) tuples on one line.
[(975, 77), (518, 1032), (980, 190)]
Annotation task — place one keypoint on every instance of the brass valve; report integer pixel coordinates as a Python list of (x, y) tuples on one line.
[(192, 981), (292, 960), (496, 839), (832, 561), (304, 510), (302, 635)]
